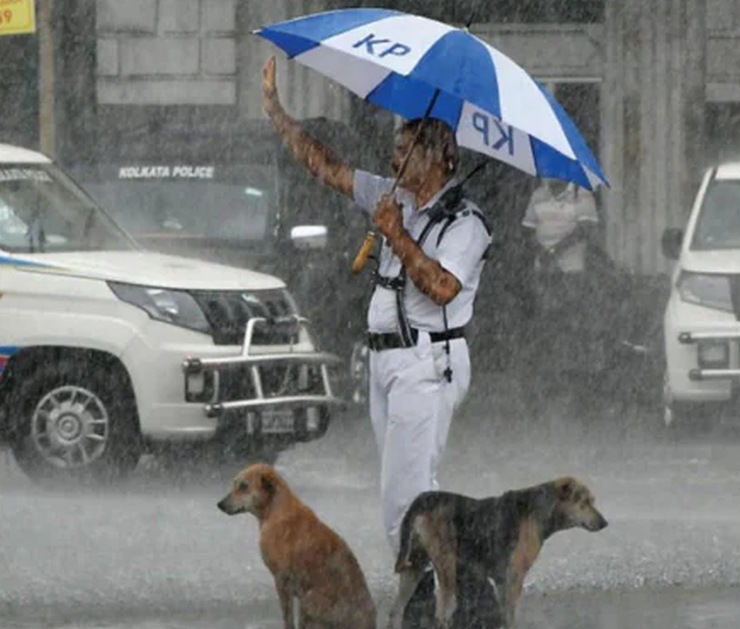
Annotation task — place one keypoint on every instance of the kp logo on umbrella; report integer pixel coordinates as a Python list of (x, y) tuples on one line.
[(389, 47)]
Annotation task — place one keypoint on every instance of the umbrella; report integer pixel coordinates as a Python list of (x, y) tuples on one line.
[(417, 67)]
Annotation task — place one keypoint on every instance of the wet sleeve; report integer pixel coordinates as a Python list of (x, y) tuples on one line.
[(462, 247), (367, 190)]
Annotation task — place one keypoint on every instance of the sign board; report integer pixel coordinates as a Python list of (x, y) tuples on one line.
[(17, 16)]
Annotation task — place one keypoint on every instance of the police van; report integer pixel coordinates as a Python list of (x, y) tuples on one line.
[(109, 350)]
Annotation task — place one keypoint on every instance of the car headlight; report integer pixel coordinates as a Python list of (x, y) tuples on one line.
[(710, 291), (171, 306)]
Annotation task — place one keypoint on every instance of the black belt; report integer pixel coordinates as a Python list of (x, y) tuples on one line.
[(391, 340)]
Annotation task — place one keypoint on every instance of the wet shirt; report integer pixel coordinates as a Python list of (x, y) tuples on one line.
[(460, 252), (553, 217)]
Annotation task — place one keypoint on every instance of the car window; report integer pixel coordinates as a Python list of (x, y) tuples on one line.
[(718, 224), (42, 210), (215, 202)]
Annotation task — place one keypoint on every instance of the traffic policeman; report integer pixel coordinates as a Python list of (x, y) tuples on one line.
[(430, 263)]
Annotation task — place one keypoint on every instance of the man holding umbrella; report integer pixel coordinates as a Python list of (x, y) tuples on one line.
[(433, 252), (453, 89)]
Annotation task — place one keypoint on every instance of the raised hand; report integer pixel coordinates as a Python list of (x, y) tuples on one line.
[(270, 100)]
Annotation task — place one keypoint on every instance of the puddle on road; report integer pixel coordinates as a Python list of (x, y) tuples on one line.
[(673, 608)]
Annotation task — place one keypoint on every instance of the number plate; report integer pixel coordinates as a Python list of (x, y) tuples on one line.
[(196, 384), (277, 420)]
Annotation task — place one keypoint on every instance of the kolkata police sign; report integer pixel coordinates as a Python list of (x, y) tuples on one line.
[(17, 16), (166, 172)]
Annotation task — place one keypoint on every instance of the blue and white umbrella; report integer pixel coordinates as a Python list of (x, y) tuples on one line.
[(404, 63)]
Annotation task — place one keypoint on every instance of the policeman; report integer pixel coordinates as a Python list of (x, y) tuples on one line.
[(430, 264)]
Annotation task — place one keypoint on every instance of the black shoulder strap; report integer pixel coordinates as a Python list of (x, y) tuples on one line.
[(450, 219)]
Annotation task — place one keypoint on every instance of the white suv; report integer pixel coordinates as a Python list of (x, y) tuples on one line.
[(107, 350), (702, 318)]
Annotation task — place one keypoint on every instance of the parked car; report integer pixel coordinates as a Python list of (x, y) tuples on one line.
[(108, 350), (238, 200), (702, 377)]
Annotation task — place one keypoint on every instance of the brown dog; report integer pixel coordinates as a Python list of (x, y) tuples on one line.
[(308, 560), (493, 541)]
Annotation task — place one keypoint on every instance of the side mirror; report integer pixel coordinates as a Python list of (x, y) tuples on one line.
[(671, 242), (309, 236)]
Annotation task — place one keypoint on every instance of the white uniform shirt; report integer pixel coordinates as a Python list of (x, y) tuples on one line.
[(460, 252), (553, 217)]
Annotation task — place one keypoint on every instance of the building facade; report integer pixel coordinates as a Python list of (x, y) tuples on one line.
[(654, 85)]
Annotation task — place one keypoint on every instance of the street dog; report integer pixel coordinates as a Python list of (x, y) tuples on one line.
[(308, 560), (491, 542)]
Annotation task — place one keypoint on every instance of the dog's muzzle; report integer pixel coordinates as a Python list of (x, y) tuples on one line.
[(600, 524), (226, 507)]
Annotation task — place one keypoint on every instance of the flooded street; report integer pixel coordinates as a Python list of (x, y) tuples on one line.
[(157, 553)]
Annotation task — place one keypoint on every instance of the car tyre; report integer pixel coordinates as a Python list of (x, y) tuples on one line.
[(76, 421)]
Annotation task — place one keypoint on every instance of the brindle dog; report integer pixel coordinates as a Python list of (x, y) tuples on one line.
[(489, 543)]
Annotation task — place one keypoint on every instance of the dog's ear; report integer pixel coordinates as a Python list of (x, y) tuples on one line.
[(268, 484), (565, 487)]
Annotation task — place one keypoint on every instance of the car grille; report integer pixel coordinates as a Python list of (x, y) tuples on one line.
[(228, 312)]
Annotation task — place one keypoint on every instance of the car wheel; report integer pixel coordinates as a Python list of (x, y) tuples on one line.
[(76, 420)]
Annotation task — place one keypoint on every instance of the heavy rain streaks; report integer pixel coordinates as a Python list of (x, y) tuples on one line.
[(155, 109)]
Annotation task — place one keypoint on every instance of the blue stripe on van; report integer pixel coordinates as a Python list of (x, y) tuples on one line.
[(6, 351), (12, 261)]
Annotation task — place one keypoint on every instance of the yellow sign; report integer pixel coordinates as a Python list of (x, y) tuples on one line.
[(17, 16)]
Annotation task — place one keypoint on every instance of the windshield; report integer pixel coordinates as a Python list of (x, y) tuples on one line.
[(42, 210), (718, 226), (228, 203)]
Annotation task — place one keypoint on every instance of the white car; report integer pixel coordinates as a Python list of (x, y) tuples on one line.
[(702, 318), (107, 349)]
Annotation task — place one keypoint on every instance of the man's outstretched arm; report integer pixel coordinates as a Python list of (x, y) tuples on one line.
[(319, 159)]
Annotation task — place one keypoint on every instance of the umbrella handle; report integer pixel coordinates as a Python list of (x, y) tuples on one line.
[(364, 253), (369, 242)]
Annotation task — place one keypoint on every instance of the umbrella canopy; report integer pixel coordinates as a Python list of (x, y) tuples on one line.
[(406, 63)]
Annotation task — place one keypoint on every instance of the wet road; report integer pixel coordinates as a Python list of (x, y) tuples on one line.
[(156, 552)]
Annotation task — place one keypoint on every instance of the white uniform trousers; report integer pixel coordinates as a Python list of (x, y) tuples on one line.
[(411, 408)]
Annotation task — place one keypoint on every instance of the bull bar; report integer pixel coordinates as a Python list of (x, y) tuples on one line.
[(214, 407), (716, 373)]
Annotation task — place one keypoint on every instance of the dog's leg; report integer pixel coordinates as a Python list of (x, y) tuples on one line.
[(510, 598), (286, 603), (409, 579), (442, 549)]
